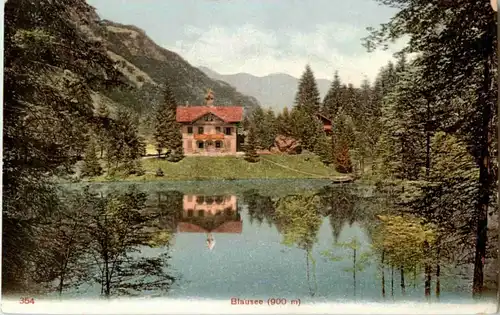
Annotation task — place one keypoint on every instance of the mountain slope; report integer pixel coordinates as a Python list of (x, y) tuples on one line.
[(276, 90), (148, 66)]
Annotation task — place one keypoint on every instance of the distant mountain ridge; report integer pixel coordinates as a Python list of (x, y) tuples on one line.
[(147, 66), (275, 90)]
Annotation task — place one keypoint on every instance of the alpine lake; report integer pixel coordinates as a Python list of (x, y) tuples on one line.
[(286, 239)]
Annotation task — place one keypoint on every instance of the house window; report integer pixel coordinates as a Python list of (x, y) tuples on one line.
[(200, 144), (217, 129), (208, 118), (218, 144), (190, 198), (200, 200), (209, 200), (201, 213), (228, 131), (200, 130), (190, 212), (190, 130)]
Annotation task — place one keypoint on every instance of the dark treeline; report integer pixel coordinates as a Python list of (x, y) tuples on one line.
[(50, 123), (439, 127), (355, 114)]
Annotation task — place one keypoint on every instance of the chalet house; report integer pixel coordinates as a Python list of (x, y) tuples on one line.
[(209, 130), (210, 214), (327, 123)]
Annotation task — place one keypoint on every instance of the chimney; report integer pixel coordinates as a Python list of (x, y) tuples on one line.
[(209, 98)]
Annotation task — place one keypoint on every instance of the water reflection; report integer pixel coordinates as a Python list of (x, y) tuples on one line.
[(332, 243), (210, 215)]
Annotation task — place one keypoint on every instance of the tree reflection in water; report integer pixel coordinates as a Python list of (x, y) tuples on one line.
[(299, 219), (93, 241)]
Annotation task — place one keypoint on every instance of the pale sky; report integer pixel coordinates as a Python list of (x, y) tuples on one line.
[(261, 36)]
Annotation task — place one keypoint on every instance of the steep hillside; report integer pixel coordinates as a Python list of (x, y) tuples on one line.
[(148, 66), (276, 90)]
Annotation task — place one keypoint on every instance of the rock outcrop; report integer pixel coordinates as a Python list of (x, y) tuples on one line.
[(288, 145)]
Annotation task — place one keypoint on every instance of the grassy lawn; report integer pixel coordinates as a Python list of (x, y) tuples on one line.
[(151, 149), (231, 168)]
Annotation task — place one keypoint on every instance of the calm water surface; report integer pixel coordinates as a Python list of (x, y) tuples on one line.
[(231, 245)]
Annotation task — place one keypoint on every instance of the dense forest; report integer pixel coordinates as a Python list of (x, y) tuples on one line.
[(424, 132)]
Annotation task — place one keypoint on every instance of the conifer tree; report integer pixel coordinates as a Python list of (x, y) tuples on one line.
[(175, 140), (162, 119), (251, 154), (341, 141), (324, 150), (268, 131), (91, 166), (332, 102), (284, 123), (167, 131), (305, 128), (258, 122), (102, 128), (308, 97), (125, 146)]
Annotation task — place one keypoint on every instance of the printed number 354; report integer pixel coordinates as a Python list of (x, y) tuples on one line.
[(27, 301)]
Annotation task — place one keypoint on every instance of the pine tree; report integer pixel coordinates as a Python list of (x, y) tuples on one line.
[(175, 140), (125, 146), (308, 97), (343, 162), (258, 121), (91, 166), (332, 102), (251, 154), (268, 131), (284, 123), (304, 128), (102, 128), (341, 144), (163, 119), (324, 150)]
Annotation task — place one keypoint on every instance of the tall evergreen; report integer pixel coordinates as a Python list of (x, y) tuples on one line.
[(284, 123), (304, 128), (332, 102), (269, 130), (323, 148), (91, 166), (102, 127), (167, 133), (125, 147), (342, 141), (308, 97), (258, 121), (250, 147)]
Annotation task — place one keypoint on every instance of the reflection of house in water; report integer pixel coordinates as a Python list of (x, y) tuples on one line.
[(210, 214)]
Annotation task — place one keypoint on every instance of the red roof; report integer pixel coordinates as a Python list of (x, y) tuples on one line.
[(226, 113), (227, 227)]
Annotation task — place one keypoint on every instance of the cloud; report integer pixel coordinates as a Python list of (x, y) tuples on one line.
[(260, 52)]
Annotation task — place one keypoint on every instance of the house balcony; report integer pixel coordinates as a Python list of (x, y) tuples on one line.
[(204, 136)]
